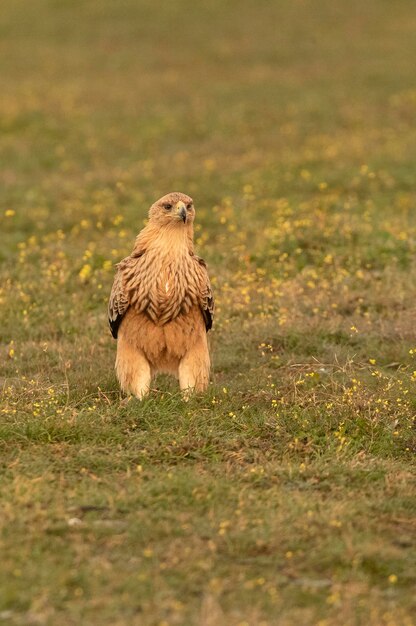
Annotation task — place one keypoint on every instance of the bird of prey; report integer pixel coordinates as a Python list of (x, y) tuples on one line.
[(161, 304)]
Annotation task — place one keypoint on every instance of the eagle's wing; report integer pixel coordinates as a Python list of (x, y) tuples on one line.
[(206, 298), (119, 300), (120, 296)]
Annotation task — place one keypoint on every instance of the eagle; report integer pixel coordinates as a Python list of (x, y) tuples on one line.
[(161, 304)]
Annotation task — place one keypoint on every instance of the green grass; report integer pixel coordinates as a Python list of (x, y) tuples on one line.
[(285, 495)]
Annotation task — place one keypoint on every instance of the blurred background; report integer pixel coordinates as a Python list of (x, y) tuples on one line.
[(205, 97), (285, 492)]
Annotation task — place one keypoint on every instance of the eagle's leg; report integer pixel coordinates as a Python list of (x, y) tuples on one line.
[(132, 368), (194, 367)]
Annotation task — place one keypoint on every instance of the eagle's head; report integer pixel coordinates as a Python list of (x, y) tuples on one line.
[(174, 209)]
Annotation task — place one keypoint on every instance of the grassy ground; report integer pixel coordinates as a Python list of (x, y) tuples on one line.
[(285, 495)]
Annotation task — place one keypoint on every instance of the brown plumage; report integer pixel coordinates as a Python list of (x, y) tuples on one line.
[(161, 304)]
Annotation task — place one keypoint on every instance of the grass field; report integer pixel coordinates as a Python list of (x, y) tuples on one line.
[(286, 494)]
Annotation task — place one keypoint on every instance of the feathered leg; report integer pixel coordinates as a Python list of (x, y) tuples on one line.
[(132, 368), (194, 367)]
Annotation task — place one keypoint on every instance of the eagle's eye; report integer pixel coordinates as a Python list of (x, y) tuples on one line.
[(167, 206), (189, 205)]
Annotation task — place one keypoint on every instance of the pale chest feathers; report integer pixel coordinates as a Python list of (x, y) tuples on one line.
[(165, 286)]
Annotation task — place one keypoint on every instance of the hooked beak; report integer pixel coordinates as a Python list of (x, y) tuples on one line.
[(180, 209)]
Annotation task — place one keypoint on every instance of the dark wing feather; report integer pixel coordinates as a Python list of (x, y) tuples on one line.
[(206, 296), (128, 280), (119, 301)]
